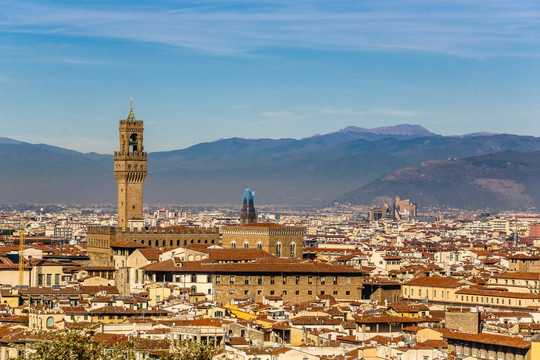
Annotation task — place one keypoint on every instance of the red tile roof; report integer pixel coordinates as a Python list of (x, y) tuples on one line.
[(128, 244), (150, 253), (109, 290), (383, 318), (263, 265), (507, 294), (518, 275), (491, 339)]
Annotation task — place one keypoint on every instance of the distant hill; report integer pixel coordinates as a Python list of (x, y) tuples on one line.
[(47, 174), (507, 180), (308, 171), (8, 141), (404, 130)]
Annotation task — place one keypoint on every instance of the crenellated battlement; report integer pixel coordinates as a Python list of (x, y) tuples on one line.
[(104, 230), (135, 125), (171, 230), (126, 155), (111, 230), (264, 230)]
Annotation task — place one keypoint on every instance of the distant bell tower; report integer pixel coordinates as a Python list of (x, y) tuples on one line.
[(130, 169), (248, 214)]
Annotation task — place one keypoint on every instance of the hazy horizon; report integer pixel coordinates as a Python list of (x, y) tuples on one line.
[(484, 133)]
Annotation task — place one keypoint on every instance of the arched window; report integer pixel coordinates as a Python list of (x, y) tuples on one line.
[(170, 243), (133, 143), (185, 242), (259, 245), (246, 245), (278, 249), (292, 252), (233, 244), (50, 322)]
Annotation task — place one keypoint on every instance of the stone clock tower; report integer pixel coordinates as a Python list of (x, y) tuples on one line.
[(104, 242), (130, 170)]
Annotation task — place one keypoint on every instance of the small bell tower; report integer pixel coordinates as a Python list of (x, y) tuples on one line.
[(248, 214), (130, 169)]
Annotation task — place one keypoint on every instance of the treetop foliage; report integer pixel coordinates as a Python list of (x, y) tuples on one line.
[(79, 344)]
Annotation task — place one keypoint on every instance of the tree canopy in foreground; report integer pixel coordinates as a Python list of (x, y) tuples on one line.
[(77, 344)]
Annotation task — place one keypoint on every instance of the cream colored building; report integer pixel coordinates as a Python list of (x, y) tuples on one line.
[(497, 299), (138, 259), (432, 289), (48, 273), (44, 319), (526, 282)]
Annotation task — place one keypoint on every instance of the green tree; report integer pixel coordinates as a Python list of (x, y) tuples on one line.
[(190, 350), (75, 344)]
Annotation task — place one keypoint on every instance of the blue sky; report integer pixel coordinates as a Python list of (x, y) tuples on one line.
[(203, 70)]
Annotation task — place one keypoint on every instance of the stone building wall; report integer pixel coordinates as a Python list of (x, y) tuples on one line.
[(100, 238), (265, 237), (293, 290), (466, 321)]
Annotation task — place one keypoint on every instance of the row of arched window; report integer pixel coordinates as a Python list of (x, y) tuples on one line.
[(170, 243), (246, 245), (178, 242), (292, 248)]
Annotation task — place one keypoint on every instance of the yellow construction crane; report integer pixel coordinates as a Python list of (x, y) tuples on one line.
[(21, 253), (22, 234)]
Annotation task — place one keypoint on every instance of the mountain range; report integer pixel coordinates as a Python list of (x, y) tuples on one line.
[(310, 171)]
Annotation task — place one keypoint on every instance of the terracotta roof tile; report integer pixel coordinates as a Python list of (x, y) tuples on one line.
[(128, 244), (263, 265), (150, 253), (492, 339)]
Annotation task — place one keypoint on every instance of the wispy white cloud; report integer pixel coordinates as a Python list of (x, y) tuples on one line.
[(49, 54), (462, 28)]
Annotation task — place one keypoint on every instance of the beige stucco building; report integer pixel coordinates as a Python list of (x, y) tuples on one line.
[(432, 289)]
